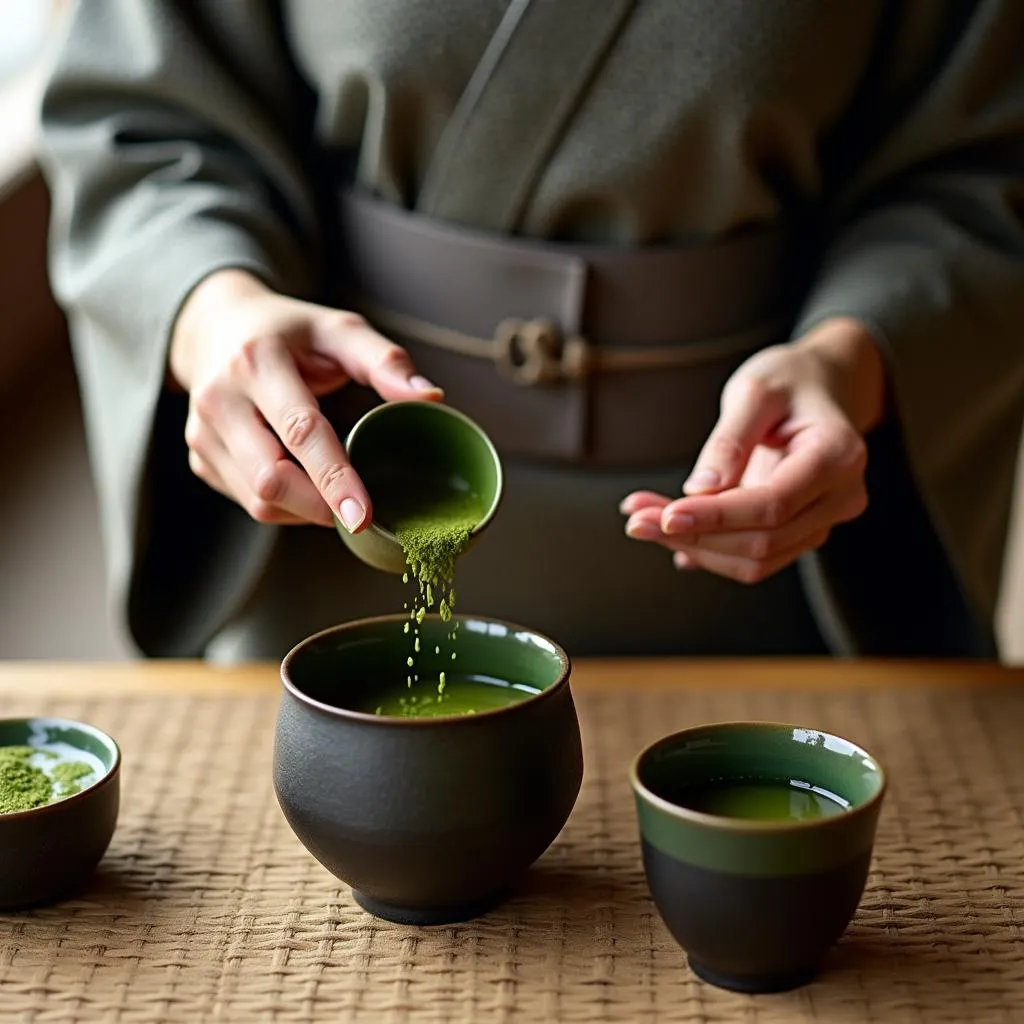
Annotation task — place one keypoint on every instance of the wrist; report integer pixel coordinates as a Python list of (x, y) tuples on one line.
[(854, 367), (207, 303)]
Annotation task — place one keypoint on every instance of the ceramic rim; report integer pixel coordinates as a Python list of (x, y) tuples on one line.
[(747, 824), (564, 671)]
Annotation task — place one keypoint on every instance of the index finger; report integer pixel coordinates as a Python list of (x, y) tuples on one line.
[(799, 479), (642, 499), (293, 413)]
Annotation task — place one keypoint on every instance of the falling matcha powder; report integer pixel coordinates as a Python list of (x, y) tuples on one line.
[(432, 540)]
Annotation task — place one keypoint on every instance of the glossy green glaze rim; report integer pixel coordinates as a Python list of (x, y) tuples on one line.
[(755, 848), (561, 682), (108, 776), (445, 410)]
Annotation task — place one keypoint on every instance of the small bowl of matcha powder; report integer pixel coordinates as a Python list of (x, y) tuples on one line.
[(59, 798)]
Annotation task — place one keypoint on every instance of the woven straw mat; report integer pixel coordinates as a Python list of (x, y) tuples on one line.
[(207, 908)]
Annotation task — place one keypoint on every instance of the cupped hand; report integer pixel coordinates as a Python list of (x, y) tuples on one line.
[(253, 363), (784, 464)]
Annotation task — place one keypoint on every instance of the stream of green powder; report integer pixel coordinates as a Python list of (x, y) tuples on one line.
[(432, 539), (24, 786)]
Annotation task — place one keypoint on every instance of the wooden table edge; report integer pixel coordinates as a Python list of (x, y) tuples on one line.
[(590, 675)]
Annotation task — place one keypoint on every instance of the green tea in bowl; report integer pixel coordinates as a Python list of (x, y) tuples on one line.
[(430, 809), (449, 695)]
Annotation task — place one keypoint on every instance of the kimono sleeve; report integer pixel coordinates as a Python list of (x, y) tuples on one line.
[(172, 141), (927, 250)]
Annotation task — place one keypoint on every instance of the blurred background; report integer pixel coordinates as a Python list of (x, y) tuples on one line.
[(52, 596)]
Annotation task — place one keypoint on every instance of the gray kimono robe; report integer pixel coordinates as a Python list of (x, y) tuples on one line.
[(180, 138)]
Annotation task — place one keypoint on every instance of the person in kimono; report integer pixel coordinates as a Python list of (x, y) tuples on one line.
[(737, 288)]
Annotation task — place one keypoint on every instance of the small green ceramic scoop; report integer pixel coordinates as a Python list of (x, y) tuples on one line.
[(422, 460)]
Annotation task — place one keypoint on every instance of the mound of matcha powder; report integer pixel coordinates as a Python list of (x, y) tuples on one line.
[(68, 775), (24, 786)]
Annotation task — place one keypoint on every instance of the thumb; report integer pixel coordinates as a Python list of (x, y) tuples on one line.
[(750, 410)]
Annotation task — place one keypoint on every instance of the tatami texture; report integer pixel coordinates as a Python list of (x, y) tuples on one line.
[(207, 908)]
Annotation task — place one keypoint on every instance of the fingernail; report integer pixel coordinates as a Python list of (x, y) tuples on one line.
[(624, 506), (352, 514), (679, 522), (703, 480), (418, 383), (642, 531), (682, 561)]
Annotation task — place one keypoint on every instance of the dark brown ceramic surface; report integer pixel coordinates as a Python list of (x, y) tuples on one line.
[(750, 933), (430, 820), (49, 852)]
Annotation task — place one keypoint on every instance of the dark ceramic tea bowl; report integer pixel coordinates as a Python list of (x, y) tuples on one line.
[(48, 853), (756, 904), (429, 820)]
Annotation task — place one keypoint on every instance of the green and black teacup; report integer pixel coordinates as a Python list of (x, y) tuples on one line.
[(757, 840)]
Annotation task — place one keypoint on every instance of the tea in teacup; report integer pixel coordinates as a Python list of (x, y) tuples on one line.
[(760, 799), (756, 841)]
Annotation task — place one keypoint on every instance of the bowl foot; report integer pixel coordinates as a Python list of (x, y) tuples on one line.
[(428, 915), (758, 984)]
